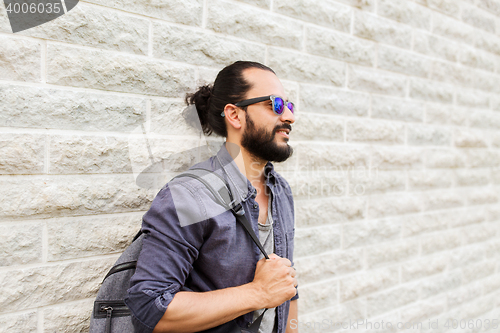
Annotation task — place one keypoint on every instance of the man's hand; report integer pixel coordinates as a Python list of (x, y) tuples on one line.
[(274, 280)]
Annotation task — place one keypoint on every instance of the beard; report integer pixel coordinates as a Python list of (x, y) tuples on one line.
[(261, 143)]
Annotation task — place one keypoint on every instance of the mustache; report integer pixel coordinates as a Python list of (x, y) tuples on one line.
[(284, 126)]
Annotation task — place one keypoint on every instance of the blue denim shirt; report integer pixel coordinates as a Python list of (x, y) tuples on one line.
[(215, 253)]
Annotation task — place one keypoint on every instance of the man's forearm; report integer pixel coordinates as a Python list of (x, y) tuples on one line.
[(197, 311)]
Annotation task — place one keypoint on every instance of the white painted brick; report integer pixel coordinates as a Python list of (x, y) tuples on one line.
[(390, 253), (392, 204), (24, 322), (473, 177), (328, 265), (488, 42), (417, 315), (477, 58), (449, 7), (396, 60), (396, 109), (369, 80), (4, 21), (479, 271), (464, 294), (62, 109), (477, 233), (96, 27), (21, 153), (443, 114), (307, 127), (167, 118), (201, 48), (334, 211), (418, 179), (255, 25), (87, 154), (306, 68), (436, 46), (375, 131), (429, 136), (317, 183), (440, 241), (367, 5), (55, 196), (21, 59), (467, 216), (484, 119), (333, 101), (309, 241), (363, 283), (395, 158), (490, 5), (405, 12), (319, 156), (414, 225), (374, 231), (465, 138), (453, 73), (185, 12), (21, 245), (431, 91), (325, 13), (387, 301), (332, 318), (85, 237), (491, 283), (439, 284), (266, 4), (75, 315), (464, 256), (447, 27), (424, 267), (382, 30), (481, 158), (472, 98), (110, 71), (366, 183), (443, 199), (39, 286), (340, 46), (486, 81), (319, 295), (483, 196)]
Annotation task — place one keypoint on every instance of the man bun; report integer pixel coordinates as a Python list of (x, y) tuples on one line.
[(201, 100)]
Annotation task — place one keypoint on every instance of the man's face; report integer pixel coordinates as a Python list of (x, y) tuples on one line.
[(266, 134)]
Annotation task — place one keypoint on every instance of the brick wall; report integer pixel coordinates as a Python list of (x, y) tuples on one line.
[(395, 170)]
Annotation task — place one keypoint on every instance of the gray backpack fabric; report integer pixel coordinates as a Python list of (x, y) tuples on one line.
[(110, 313)]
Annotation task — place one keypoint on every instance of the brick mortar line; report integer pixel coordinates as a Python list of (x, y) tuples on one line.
[(49, 306), (60, 262), (74, 218), (95, 133)]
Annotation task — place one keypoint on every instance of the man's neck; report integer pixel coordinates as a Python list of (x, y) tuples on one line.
[(249, 165)]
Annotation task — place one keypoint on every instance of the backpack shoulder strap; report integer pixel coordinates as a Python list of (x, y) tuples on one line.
[(220, 190)]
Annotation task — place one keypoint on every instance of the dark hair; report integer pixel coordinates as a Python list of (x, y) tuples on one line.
[(229, 87)]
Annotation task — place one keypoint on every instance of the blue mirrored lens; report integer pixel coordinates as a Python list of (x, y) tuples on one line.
[(290, 106), (278, 105)]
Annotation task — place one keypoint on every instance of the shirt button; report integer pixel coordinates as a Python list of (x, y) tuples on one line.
[(255, 206)]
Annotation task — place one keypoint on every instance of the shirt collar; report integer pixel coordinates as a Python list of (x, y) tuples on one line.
[(238, 181)]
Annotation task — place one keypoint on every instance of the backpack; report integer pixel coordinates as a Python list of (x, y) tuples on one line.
[(110, 313)]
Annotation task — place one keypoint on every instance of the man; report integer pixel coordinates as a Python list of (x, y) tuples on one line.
[(192, 277)]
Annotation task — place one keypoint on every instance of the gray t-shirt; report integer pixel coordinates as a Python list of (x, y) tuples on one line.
[(266, 237)]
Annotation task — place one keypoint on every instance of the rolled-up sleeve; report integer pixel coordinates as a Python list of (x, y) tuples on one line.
[(167, 255)]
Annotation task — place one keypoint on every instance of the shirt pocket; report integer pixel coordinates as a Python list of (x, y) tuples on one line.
[(289, 244)]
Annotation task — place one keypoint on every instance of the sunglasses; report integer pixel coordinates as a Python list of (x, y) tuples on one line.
[(278, 103)]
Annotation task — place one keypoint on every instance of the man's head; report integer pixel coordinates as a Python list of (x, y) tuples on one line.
[(261, 127)]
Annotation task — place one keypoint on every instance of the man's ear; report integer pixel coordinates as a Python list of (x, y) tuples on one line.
[(233, 114)]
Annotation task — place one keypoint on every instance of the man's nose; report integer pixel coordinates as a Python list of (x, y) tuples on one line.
[(287, 115)]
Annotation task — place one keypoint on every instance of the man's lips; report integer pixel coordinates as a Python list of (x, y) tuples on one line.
[(284, 132)]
